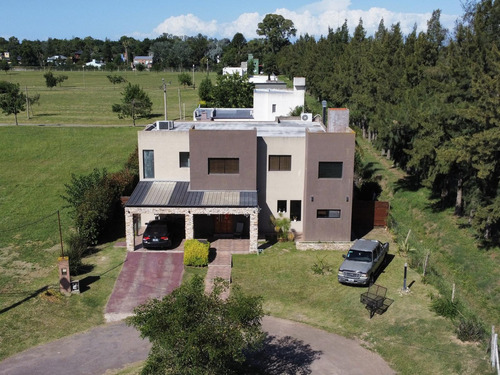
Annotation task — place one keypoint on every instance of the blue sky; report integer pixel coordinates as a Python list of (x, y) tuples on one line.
[(35, 19)]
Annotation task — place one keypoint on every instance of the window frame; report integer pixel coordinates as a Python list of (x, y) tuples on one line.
[(329, 169), (183, 160), (284, 163), (329, 213), (148, 171), (225, 163), (294, 205)]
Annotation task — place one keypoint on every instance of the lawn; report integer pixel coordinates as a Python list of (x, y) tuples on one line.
[(87, 97), (36, 162)]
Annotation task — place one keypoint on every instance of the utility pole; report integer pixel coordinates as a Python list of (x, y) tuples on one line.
[(194, 84), (164, 97), (27, 103)]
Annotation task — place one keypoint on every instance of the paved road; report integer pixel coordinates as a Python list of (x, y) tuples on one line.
[(291, 348)]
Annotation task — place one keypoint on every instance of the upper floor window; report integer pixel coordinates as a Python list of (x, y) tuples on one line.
[(280, 163), (330, 169), (273, 108), (148, 163), (223, 166), (184, 160)]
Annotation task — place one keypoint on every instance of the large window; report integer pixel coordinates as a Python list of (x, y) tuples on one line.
[(184, 159), (280, 163), (295, 210), (148, 163), (223, 166), (330, 169), (328, 214)]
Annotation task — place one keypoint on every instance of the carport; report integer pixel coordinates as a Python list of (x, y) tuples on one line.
[(157, 198)]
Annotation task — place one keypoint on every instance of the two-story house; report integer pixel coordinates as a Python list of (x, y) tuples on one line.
[(213, 175)]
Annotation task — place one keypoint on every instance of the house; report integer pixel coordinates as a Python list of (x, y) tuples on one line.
[(269, 103), (96, 64), (147, 61), (215, 176), (57, 60)]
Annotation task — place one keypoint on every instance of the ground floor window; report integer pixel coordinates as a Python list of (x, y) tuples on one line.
[(328, 214), (281, 206), (296, 210)]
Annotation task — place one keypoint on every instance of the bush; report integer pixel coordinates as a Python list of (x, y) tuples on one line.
[(470, 328), (445, 307), (196, 253), (77, 247), (185, 79)]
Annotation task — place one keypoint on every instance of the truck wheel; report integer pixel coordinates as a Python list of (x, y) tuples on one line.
[(371, 280)]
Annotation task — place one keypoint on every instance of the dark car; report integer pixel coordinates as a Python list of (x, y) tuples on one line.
[(157, 235)]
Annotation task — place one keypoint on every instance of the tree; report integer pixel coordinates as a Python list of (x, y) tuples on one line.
[(205, 91), (195, 333), (52, 81), (233, 91), (135, 103), (12, 100), (185, 79), (276, 30), (4, 65), (116, 79)]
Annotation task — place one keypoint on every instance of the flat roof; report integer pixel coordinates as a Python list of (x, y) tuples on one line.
[(283, 128)]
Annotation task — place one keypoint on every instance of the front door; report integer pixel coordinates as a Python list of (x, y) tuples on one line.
[(223, 224)]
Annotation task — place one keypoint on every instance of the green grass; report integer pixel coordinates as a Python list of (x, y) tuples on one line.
[(86, 98), (36, 162)]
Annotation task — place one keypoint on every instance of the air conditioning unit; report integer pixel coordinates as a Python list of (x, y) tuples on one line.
[(306, 116), (165, 125)]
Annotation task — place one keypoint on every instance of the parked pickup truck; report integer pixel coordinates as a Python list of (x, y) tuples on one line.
[(363, 260)]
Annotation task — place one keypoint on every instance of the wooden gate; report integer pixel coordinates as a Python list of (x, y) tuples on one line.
[(370, 214)]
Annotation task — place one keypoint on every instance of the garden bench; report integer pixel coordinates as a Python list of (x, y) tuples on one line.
[(375, 300)]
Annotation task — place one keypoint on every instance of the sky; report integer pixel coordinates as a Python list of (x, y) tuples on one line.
[(112, 19)]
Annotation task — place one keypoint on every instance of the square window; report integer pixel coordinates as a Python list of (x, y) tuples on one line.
[(184, 161), (148, 163), (280, 162), (330, 169), (295, 210), (281, 206)]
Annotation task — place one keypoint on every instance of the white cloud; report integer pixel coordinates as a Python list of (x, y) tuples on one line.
[(187, 25), (313, 19)]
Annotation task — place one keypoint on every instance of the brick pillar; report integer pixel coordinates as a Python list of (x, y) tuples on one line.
[(64, 276), (254, 232), (129, 230), (189, 220)]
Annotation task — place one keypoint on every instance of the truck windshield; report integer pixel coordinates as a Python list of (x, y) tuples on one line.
[(360, 256)]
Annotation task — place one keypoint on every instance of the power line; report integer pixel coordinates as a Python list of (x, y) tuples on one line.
[(26, 225)]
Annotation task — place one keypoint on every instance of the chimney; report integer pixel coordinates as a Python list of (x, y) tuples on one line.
[(338, 120)]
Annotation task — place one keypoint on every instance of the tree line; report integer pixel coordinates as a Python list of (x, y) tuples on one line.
[(169, 51), (429, 100)]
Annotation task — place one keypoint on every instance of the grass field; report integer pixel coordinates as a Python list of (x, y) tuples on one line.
[(87, 97), (36, 162)]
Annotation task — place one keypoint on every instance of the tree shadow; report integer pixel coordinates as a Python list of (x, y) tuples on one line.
[(30, 296), (87, 281), (283, 355), (409, 183)]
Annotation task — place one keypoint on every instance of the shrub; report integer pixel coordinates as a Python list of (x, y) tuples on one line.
[(77, 247), (196, 253), (470, 328), (445, 307), (282, 226)]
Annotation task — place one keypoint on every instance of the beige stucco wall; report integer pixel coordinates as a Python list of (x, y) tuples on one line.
[(280, 185), (166, 145)]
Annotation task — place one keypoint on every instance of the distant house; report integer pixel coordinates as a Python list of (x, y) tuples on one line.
[(5, 56), (56, 60), (96, 63), (147, 61)]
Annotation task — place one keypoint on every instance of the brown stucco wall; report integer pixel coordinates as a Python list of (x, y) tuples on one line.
[(205, 144), (328, 193)]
